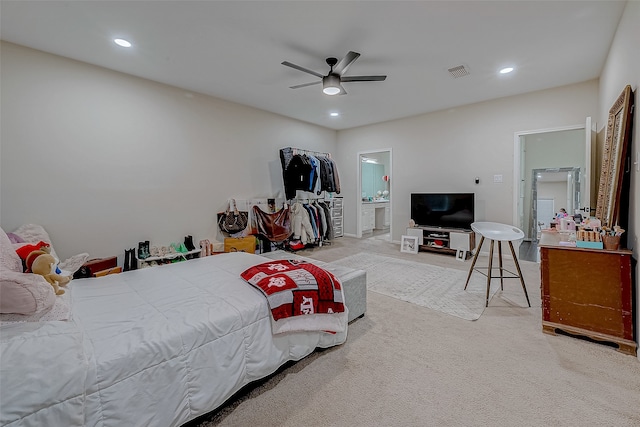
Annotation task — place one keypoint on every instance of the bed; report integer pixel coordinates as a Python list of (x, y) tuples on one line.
[(158, 346)]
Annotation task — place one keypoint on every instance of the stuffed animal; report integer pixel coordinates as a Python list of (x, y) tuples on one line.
[(43, 263), (24, 251)]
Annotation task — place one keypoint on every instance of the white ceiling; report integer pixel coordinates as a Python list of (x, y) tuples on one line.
[(233, 49)]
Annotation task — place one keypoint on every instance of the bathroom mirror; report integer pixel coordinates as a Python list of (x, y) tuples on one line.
[(613, 159)]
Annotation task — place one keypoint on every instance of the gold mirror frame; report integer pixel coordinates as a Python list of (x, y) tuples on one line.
[(615, 151)]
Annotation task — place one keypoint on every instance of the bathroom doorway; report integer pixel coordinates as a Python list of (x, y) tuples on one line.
[(375, 206)]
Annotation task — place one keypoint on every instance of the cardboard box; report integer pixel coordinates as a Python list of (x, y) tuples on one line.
[(242, 244)]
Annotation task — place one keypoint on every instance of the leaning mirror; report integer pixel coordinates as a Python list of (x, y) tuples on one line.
[(613, 157)]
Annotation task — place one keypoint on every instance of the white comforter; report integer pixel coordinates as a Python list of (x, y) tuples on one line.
[(152, 347)]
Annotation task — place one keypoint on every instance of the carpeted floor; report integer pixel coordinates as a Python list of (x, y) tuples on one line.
[(407, 365)]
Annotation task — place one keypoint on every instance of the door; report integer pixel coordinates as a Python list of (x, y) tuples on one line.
[(586, 176)]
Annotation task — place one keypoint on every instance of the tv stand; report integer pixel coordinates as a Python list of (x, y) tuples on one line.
[(450, 241)]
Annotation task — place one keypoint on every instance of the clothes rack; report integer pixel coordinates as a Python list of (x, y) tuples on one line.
[(313, 153)]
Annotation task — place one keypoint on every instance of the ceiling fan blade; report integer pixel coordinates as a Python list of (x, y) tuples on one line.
[(305, 70), (304, 85), (363, 78), (345, 62), (342, 91)]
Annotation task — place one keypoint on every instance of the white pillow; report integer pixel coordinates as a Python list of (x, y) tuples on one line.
[(9, 259), (25, 293), (22, 293), (33, 233), (61, 310)]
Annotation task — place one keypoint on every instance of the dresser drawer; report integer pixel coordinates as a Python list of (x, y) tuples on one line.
[(337, 222)]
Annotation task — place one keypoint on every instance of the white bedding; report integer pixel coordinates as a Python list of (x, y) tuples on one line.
[(153, 347)]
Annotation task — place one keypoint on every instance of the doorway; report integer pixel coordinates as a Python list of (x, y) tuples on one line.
[(565, 148), (375, 205)]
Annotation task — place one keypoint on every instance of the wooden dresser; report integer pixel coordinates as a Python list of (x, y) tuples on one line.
[(588, 292)]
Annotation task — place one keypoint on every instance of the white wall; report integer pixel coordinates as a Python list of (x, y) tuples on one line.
[(623, 68), (444, 151), (104, 160)]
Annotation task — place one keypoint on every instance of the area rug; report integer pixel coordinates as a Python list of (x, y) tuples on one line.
[(434, 287)]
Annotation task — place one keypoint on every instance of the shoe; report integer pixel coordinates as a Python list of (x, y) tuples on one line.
[(126, 260), (296, 245), (142, 251), (203, 248), (133, 259), (188, 243), (179, 248), (154, 251)]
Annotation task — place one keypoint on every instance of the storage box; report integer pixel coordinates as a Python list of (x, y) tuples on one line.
[(112, 270), (242, 244), (590, 245), (99, 264)]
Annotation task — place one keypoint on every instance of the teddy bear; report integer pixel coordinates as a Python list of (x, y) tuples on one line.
[(43, 263)]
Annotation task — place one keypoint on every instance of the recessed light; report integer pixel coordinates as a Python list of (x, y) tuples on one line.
[(506, 70), (122, 42), (334, 114)]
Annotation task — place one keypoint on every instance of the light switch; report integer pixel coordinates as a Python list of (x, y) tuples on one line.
[(497, 178)]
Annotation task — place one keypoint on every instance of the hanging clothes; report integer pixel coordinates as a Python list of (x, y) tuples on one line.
[(297, 175), (329, 233), (301, 223), (308, 172)]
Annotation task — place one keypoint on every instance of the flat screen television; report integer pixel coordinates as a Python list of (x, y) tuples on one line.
[(446, 210)]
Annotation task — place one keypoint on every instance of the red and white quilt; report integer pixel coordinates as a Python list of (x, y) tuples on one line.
[(301, 296)]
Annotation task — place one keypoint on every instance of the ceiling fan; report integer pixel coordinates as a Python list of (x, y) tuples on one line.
[(331, 83)]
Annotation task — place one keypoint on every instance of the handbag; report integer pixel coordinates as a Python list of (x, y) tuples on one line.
[(276, 227), (232, 221)]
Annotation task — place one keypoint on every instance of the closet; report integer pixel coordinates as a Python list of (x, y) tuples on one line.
[(311, 180)]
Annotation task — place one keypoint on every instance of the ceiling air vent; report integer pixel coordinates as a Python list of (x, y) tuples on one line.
[(459, 71)]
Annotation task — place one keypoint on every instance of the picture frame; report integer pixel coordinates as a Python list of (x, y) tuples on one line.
[(409, 244), (617, 140)]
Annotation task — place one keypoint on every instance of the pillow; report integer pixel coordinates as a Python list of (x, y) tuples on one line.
[(61, 310), (25, 293), (33, 233), (21, 293), (9, 259), (14, 238)]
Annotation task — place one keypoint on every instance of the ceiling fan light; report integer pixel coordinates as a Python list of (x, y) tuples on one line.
[(331, 85)]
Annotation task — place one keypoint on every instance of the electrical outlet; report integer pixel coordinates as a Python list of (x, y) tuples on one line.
[(497, 178)]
